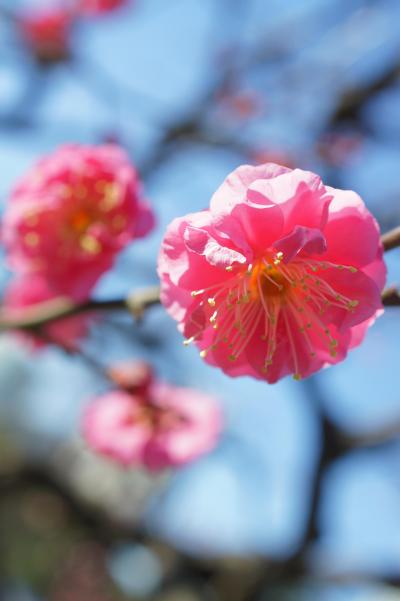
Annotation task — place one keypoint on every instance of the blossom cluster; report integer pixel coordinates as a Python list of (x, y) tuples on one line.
[(47, 33), (67, 220), (280, 275)]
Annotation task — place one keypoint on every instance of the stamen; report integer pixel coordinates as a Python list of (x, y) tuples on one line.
[(259, 293), (297, 375)]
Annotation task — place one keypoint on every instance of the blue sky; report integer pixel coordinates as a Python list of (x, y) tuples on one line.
[(250, 493)]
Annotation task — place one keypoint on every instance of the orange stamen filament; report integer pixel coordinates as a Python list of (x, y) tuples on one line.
[(270, 290)]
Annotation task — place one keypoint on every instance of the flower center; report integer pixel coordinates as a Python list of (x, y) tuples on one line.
[(80, 221), (271, 299), (268, 281), (156, 418)]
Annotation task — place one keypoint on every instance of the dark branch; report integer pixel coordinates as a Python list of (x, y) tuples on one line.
[(391, 239), (40, 315)]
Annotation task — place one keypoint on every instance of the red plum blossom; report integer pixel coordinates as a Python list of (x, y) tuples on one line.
[(71, 214), (281, 275), (47, 34), (160, 427)]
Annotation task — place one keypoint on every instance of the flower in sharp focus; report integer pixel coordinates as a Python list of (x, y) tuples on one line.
[(71, 215), (162, 426), (98, 7), (282, 275), (24, 294), (47, 34)]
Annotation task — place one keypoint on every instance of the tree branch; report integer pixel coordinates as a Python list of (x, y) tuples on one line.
[(136, 303), (391, 239), (42, 314), (391, 297)]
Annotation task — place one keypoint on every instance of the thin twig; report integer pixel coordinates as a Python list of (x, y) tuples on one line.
[(44, 313), (391, 297), (136, 303), (391, 239)]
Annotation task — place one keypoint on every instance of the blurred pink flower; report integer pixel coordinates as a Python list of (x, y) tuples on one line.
[(22, 294), (70, 216), (131, 375), (281, 275), (98, 7), (163, 427), (339, 148), (47, 34), (242, 104)]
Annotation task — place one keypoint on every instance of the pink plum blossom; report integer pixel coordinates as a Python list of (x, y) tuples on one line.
[(162, 426), (281, 275), (71, 215), (25, 293), (132, 375), (47, 33)]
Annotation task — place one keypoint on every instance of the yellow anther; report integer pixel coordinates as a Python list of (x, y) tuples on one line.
[(353, 303), (81, 191), (32, 239), (211, 302), (90, 244), (203, 354), (297, 377), (111, 197), (31, 219)]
